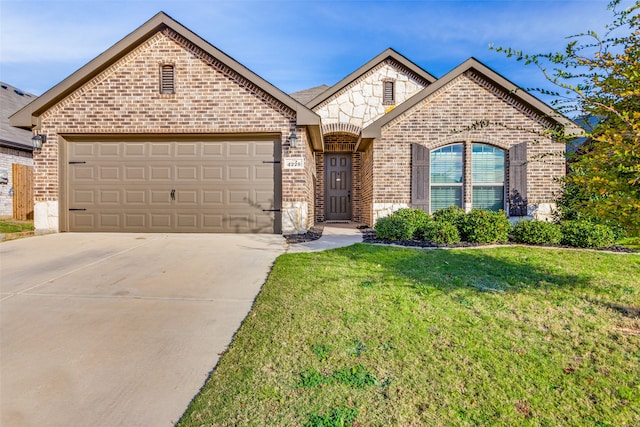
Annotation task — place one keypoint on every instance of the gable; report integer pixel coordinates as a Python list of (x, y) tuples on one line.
[(207, 94), (361, 102)]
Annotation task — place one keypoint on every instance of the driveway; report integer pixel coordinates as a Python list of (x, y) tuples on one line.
[(120, 329)]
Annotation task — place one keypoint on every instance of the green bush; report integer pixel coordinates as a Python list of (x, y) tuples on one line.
[(403, 224), (585, 234), (417, 219), (452, 215), (394, 228), (483, 226), (441, 232), (536, 232)]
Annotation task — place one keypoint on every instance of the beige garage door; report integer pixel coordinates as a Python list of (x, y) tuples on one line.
[(179, 185)]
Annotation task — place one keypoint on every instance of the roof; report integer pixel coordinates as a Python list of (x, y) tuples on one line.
[(11, 100), (307, 95), (27, 117), (374, 129), (387, 54)]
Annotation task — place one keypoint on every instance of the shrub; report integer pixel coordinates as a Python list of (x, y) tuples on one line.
[(537, 232), (417, 219), (452, 215), (403, 224), (483, 226), (585, 234), (441, 232), (393, 228)]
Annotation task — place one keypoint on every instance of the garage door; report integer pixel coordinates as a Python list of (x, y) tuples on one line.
[(179, 185)]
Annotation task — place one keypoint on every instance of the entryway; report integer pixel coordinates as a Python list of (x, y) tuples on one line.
[(338, 187)]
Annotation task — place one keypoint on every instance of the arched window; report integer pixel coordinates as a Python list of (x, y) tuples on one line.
[(446, 176), (487, 177)]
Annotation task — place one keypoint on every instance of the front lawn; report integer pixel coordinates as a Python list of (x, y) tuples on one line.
[(15, 226), (371, 336)]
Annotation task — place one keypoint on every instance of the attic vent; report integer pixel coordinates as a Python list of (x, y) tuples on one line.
[(389, 92), (167, 79)]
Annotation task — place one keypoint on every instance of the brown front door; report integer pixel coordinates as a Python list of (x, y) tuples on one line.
[(338, 187)]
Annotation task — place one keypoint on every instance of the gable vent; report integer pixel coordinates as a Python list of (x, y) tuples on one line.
[(389, 92), (167, 79)]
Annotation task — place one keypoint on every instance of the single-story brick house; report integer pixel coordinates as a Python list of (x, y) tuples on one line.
[(165, 133)]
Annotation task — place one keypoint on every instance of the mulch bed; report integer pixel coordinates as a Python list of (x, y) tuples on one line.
[(369, 236), (314, 233)]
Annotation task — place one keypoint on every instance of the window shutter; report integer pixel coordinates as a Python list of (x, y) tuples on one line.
[(420, 177), (518, 180), (388, 96), (167, 79)]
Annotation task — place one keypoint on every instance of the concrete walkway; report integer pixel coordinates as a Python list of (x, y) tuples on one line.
[(334, 235)]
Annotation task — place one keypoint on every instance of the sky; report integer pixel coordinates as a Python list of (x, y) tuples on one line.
[(296, 44)]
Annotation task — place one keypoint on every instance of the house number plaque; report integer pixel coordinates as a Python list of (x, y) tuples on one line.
[(294, 163)]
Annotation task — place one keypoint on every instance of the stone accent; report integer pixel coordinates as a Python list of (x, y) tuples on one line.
[(448, 116), (381, 210), (9, 156), (542, 211), (361, 103), (295, 217), (209, 98), (45, 216)]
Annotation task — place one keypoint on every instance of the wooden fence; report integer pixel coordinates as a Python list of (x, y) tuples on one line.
[(22, 191)]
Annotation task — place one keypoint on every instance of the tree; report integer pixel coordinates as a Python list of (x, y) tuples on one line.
[(599, 77)]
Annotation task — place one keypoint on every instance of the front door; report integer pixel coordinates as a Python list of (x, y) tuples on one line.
[(337, 170)]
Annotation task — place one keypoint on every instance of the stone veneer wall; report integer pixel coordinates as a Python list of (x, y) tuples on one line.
[(456, 106), (9, 156), (360, 103), (210, 98)]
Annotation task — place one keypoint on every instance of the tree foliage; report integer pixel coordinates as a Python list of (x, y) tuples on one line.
[(598, 77)]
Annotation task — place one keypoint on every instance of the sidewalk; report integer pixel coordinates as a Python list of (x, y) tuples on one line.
[(334, 235)]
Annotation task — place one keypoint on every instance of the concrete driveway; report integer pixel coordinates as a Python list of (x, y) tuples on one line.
[(120, 329)]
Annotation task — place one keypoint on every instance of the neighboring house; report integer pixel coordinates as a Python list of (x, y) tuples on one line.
[(15, 144), (165, 133)]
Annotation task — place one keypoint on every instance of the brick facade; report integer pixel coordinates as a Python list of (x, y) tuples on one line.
[(446, 117), (209, 98)]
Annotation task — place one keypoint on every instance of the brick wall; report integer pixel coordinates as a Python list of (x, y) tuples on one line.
[(445, 118), (209, 98), (9, 156)]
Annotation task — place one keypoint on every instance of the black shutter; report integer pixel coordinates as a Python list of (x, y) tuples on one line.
[(420, 177), (517, 195)]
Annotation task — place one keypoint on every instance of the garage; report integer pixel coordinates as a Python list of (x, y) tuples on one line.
[(190, 184)]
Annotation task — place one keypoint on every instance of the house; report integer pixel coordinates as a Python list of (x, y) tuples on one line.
[(15, 144), (163, 132)]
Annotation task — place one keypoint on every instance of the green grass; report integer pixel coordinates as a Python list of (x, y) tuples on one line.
[(377, 336), (13, 226), (630, 242)]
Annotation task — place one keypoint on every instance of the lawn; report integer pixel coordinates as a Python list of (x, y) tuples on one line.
[(14, 226), (377, 336)]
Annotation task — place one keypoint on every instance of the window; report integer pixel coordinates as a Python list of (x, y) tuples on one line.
[(446, 177), (389, 92), (167, 79), (447, 171), (487, 177)]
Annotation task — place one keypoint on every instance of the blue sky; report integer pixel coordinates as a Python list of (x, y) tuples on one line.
[(296, 44)]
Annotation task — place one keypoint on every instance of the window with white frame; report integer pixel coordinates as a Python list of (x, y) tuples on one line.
[(447, 171), (446, 176), (487, 177)]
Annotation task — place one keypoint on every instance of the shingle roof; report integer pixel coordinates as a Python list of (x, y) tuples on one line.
[(307, 95), (11, 100)]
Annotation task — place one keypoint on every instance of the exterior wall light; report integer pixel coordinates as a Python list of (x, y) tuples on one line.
[(293, 139), (38, 140)]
